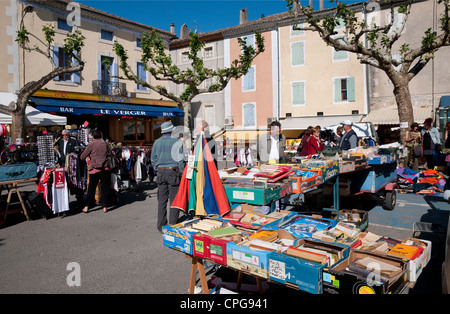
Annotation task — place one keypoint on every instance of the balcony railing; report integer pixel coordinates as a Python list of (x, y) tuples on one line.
[(100, 87)]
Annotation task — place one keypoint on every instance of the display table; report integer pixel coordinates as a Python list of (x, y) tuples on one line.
[(14, 186)]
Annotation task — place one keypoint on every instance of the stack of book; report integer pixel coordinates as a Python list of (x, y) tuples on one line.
[(316, 252), (370, 266), (205, 225)]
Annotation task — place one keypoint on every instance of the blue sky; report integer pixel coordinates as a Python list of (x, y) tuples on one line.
[(204, 15)]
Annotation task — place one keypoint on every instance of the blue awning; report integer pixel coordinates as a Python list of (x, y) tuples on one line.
[(445, 102), (78, 107)]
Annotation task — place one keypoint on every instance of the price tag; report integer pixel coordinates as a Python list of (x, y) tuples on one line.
[(59, 178)]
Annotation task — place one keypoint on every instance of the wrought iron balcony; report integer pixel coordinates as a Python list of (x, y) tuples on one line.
[(100, 87)]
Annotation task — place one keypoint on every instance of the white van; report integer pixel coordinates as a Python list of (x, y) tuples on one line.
[(364, 130)]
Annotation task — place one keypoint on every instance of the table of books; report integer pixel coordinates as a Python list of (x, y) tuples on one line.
[(305, 252)]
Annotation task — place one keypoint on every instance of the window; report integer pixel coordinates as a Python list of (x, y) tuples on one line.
[(298, 53), (248, 80), (185, 56), (138, 43), (134, 130), (63, 59), (340, 55), (296, 32), (62, 25), (298, 93), (106, 68), (208, 52), (142, 74), (249, 40), (344, 89), (249, 115), (106, 35)]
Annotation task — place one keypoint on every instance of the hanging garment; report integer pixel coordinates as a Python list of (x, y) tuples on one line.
[(60, 192)]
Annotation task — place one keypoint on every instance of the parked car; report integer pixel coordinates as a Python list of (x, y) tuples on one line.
[(364, 130)]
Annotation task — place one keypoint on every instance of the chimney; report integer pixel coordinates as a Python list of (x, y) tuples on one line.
[(184, 32), (322, 6), (296, 6), (311, 4), (172, 28), (243, 16)]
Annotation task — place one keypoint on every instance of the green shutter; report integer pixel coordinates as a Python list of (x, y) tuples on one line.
[(351, 89), (298, 93), (298, 53), (337, 90)]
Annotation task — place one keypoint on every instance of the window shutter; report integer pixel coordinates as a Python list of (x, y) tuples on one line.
[(298, 53), (249, 115), (100, 70), (337, 90), (298, 93), (114, 73), (351, 89), (77, 75), (249, 79), (56, 60)]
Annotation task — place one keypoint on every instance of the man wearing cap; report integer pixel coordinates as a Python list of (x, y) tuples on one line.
[(349, 139), (167, 160)]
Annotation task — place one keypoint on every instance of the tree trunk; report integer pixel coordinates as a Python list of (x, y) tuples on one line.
[(187, 119), (17, 126), (404, 105)]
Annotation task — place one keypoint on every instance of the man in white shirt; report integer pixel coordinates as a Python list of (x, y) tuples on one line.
[(66, 144), (271, 145)]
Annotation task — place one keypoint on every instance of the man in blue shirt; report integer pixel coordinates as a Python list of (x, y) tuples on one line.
[(349, 139), (167, 160)]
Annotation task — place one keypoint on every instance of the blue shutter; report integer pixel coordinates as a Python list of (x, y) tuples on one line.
[(56, 60), (115, 72), (298, 93), (100, 70), (337, 90), (249, 115), (298, 53), (142, 74), (249, 79), (351, 89), (76, 77)]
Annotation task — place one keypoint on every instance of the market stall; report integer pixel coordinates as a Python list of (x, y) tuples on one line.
[(310, 253)]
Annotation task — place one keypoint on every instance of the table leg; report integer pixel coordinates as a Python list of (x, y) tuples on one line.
[(202, 274), (22, 202), (193, 276)]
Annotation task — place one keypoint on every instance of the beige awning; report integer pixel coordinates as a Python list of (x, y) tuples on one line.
[(302, 123), (390, 115)]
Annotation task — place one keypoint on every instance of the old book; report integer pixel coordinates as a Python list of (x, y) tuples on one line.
[(307, 255), (404, 251), (265, 235), (224, 232)]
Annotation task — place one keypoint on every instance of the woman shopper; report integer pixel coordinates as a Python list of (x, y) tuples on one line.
[(97, 150), (303, 147), (314, 142), (413, 141), (431, 142)]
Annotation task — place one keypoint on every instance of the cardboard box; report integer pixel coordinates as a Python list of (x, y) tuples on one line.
[(301, 184), (329, 167), (255, 262), (338, 279), (176, 237), (208, 247), (346, 166), (416, 266), (363, 222), (300, 273), (256, 196)]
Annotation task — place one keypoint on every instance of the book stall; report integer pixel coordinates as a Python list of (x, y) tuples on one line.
[(233, 224)]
